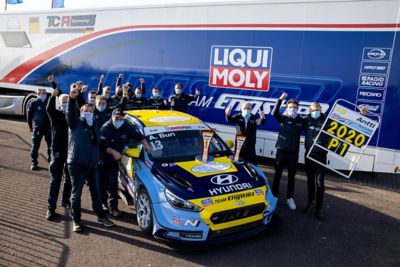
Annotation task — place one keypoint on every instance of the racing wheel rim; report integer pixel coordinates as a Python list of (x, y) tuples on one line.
[(144, 211)]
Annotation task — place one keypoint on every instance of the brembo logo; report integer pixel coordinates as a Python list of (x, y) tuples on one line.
[(224, 179)]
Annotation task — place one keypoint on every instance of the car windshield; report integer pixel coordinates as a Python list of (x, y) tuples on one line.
[(175, 146)]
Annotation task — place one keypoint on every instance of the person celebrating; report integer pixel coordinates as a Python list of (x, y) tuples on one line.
[(246, 124)]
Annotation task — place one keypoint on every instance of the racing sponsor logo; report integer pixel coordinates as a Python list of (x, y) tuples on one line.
[(374, 81), (240, 67), (372, 107), (70, 24), (263, 103), (374, 67), (224, 179), (211, 167), (229, 188), (169, 119), (179, 221), (207, 202), (259, 192), (376, 53), (370, 94)]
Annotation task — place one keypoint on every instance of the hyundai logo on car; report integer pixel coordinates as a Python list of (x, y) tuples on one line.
[(224, 179)]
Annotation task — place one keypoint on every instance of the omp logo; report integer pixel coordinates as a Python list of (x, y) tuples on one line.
[(376, 54), (240, 67), (224, 179)]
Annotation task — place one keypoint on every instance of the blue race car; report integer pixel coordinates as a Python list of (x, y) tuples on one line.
[(179, 197)]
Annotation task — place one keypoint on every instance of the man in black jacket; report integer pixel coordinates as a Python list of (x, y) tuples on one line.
[(115, 135), (137, 101), (246, 124), (315, 173), (39, 126), (83, 157), (156, 101), (287, 145), (59, 151), (179, 101)]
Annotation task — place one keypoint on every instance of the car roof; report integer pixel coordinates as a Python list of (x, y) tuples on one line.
[(154, 118)]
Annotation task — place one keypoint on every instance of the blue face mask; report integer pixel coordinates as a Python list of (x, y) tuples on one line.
[(138, 95), (92, 101), (88, 116), (156, 95), (107, 96), (118, 124), (178, 91), (315, 114), (101, 108), (42, 97), (246, 113)]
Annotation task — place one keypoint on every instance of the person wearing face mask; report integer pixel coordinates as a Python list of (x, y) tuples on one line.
[(115, 135), (179, 101), (135, 102), (102, 112), (246, 124), (313, 123), (92, 97), (287, 146), (82, 160), (156, 101), (39, 126), (59, 151)]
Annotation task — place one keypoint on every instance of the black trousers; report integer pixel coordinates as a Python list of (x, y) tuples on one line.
[(315, 176), (37, 136), (57, 167), (289, 160), (248, 153)]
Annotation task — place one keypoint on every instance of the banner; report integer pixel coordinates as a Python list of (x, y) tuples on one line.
[(239, 143), (344, 137), (207, 136)]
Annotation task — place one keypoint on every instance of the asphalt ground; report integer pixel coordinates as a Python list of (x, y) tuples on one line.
[(361, 226)]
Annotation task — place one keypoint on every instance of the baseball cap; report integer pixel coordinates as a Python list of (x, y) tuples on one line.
[(117, 112)]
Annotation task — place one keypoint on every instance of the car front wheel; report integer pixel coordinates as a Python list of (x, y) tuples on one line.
[(144, 212)]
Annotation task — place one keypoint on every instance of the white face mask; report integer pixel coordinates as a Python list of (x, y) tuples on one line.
[(88, 116), (42, 97), (178, 91), (63, 107), (106, 95), (156, 94), (292, 112), (92, 101)]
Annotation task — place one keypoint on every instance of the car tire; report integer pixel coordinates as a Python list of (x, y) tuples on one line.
[(144, 211), (27, 102)]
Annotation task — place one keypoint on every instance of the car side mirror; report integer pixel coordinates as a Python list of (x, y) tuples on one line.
[(229, 143), (132, 152)]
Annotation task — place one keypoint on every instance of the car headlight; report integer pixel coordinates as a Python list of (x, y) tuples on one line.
[(179, 203)]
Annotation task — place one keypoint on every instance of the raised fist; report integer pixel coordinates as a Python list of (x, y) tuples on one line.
[(283, 96)]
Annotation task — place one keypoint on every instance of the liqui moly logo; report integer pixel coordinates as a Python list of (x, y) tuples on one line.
[(242, 67)]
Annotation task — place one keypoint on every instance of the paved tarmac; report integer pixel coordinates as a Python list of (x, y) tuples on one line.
[(361, 226)]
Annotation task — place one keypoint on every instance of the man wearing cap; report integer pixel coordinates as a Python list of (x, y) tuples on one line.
[(115, 135)]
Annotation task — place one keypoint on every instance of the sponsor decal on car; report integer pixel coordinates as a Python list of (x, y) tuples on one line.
[(169, 119), (207, 202)]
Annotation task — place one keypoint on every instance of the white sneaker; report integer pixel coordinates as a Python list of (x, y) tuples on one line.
[(291, 204)]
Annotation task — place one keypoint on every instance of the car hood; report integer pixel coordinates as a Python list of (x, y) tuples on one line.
[(196, 180)]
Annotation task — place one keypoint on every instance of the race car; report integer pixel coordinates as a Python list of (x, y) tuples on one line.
[(182, 197)]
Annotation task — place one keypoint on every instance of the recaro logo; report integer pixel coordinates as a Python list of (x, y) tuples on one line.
[(224, 179), (376, 54)]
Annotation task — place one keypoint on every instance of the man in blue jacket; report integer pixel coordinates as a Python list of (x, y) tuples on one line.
[(115, 135), (39, 126), (83, 157)]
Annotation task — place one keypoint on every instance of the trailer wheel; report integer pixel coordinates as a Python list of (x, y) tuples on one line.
[(28, 100)]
